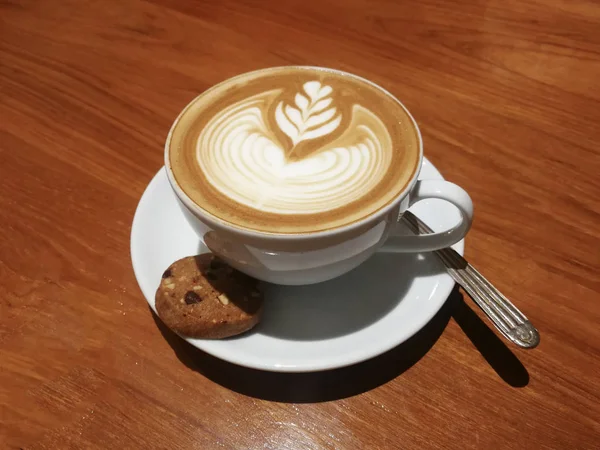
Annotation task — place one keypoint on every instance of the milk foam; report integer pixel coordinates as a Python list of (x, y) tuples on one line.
[(245, 159)]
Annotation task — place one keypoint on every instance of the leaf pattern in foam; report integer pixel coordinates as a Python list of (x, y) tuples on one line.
[(311, 117)]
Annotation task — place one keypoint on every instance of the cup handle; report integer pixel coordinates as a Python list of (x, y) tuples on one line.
[(429, 242)]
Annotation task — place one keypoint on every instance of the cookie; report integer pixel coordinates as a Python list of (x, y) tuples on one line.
[(203, 297)]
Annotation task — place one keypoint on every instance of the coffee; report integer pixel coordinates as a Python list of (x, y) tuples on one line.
[(293, 150)]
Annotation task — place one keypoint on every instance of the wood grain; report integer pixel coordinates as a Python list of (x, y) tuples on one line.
[(508, 100)]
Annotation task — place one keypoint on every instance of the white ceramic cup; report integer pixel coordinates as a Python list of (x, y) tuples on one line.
[(295, 259)]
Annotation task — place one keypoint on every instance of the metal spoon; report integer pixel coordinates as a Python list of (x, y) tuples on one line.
[(511, 322)]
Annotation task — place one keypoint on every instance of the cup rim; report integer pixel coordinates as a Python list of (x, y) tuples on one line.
[(217, 222)]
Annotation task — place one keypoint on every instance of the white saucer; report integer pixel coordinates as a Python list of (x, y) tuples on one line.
[(340, 322)]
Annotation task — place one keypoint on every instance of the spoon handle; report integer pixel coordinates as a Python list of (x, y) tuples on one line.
[(511, 322)]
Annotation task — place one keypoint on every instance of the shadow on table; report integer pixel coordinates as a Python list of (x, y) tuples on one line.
[(348, 381), (492, 348)]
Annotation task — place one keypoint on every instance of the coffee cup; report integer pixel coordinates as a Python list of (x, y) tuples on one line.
[(296, 175)]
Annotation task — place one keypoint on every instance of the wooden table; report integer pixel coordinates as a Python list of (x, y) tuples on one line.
[(507, 94)]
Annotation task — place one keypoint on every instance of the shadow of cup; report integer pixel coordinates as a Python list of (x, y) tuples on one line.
[(345, 304)]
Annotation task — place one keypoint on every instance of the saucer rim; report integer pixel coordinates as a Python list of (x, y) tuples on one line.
[(443, 290)]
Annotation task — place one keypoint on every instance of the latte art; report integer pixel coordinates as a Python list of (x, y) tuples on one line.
[(313, 117), (242, 157), (293, 150)]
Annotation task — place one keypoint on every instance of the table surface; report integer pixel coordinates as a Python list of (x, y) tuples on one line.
[(507, 95)]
